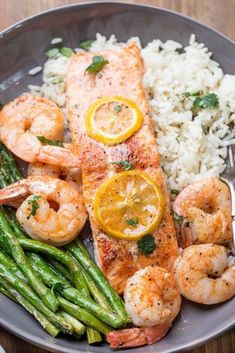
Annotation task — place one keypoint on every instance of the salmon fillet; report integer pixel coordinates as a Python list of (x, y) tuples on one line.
[(122, 76)]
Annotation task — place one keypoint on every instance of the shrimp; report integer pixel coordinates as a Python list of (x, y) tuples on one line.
[(203, 275), (71, 175), (49, 209), (26, 118), (153, 301), (206, 206)]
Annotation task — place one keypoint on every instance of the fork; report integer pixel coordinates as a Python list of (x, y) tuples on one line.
[(228, 176)]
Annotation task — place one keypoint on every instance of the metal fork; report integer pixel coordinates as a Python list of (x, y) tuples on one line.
[(228, 176)]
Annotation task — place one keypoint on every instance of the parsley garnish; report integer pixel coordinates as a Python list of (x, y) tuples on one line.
[(126, 165), (98, 62), (178, 218), (46, 141), (192, 94), (52, 53), (58, 287), (57, 80), (174, 192), (132, 222), (117, 108), (146, 244), (35, 206), (86, 44), (209, 101), (66, 51)]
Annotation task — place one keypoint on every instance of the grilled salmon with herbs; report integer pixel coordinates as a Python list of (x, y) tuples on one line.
[(119, 73)]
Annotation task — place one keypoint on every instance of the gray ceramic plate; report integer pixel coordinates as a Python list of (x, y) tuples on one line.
[(22, 47)]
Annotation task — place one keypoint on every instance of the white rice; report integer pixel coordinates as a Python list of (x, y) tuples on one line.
[(35, 70), (191, 147)]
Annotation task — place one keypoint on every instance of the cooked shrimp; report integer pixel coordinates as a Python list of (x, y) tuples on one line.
[(206, 205), (27, 117), (203, 275), (136, 337), (152, 300), (72, 176), (52, 210)]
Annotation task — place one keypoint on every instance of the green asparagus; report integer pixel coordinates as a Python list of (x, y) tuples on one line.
[(10, 164), (29, 295), (78, 250), (16, 296), (20, 258), (70, 293), (78, 327), (84, 316)]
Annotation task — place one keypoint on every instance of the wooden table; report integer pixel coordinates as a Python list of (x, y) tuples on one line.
[(219, 14)]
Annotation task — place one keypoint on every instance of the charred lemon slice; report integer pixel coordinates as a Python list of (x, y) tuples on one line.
[(129, 205), (112, 120)]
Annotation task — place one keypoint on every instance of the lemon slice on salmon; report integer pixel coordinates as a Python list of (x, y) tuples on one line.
[(129, 205), (112, 120)]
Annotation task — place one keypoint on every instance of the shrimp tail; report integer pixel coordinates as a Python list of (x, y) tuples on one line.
[(137, 336), (14, 194)]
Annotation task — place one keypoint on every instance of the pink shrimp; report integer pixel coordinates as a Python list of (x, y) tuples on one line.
[(206, 207), (152, 300), (26, 119)]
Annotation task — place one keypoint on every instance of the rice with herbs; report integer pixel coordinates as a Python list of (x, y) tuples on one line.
[(192, 142)]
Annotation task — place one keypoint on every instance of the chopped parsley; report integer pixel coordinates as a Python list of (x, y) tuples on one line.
[(132, 222), (97, 64), (209, 101), (58, 287), (117, 108), (46, 141), (52, 53), (56, 80), (174, 192), (126, 165), (66, 51), (178, 218), (146, 244), (35, 206), (192, 94), (86, 44)]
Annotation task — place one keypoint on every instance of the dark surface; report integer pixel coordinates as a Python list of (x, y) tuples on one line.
[(22, 49)]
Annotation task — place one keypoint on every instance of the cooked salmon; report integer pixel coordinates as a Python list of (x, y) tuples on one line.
[(122, 76)]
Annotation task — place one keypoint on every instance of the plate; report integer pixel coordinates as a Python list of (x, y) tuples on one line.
[(22, 47)]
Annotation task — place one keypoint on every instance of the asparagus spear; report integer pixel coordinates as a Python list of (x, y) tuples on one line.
[(29, 295), (78, 327), (83, 316), (52, 279), (16, 296), (20, 258), (50, 276), (10, 163), (78, 250), (5, 292), (93, 336), (70, 293), (76, 273), (11, 265), (60, 268)]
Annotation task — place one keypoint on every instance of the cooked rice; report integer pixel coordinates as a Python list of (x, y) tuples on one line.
[(192, 147)]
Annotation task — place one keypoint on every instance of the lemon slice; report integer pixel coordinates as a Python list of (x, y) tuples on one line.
[(112, 120), (129, 205)]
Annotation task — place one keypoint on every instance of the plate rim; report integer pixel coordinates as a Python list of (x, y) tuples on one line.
[(53, 346)]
